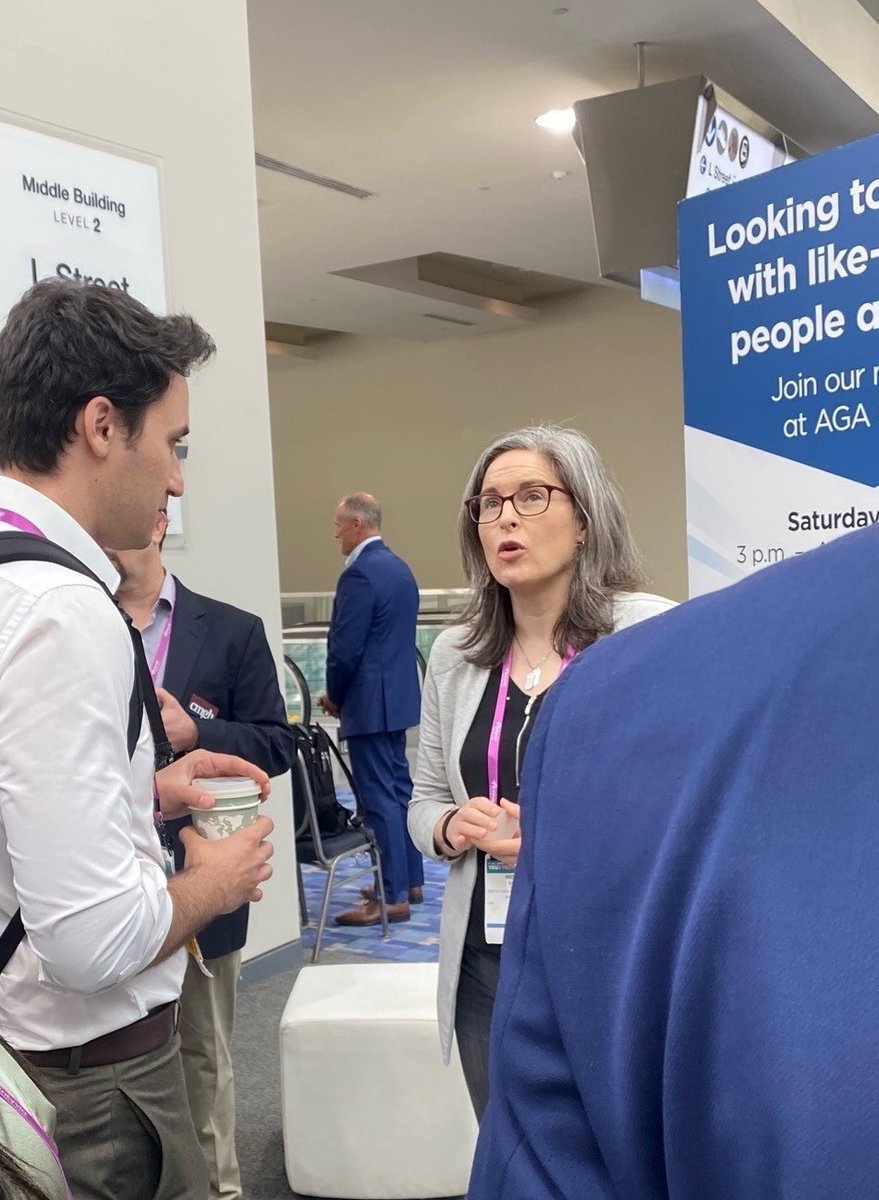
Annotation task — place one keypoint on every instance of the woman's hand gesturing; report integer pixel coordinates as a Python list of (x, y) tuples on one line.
[(467, 827), (478, 823)]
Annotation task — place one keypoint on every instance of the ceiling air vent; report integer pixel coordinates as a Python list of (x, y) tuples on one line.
[(448, 320), (335, 185)]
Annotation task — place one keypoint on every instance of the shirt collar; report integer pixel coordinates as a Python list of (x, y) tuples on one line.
[(358, 550), (168, 592), (58, 526)]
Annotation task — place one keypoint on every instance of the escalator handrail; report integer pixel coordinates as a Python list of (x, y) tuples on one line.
[(304, 689)]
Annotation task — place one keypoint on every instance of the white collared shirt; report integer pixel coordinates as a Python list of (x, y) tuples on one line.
[(358, 550), (76, 814)]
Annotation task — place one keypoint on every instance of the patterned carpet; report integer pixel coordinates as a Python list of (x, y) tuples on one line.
[(416, 940)]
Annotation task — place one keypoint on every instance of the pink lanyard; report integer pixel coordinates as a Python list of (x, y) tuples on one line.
[(497, 724), (161, 656), (35, 1125), (19, 522)]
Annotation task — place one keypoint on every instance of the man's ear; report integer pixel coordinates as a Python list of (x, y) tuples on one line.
[(160, 529), (98, 423)]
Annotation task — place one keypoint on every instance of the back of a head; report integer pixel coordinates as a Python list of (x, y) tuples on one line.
[(65, 343), (365, 506)]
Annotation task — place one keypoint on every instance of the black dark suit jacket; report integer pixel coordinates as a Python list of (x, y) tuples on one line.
[(219, 658)]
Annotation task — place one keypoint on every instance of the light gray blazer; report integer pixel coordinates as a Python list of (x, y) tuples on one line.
[(451, 695)]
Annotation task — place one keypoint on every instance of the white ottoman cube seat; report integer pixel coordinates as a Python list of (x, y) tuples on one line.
[(368, 1109)]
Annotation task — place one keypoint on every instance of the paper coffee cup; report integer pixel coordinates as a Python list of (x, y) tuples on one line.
[(236, 805)]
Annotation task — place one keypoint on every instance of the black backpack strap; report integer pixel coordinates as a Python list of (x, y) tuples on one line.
[(147, 698), (27, 547), (10, 939)]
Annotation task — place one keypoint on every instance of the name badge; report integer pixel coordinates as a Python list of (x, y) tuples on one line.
[(498, 886), (200, 707)]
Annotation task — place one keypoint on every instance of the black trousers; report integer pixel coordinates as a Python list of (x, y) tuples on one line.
[(477, 986)]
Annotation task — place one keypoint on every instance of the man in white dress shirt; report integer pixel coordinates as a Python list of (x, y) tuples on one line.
[(93, 401)]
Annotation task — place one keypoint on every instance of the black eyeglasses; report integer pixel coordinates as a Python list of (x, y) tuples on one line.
[(528, 501)]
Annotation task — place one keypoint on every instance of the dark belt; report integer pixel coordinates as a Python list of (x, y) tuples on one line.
[(149, 1033)]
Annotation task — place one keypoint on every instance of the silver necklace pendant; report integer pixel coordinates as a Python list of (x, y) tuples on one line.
[(532, 679)]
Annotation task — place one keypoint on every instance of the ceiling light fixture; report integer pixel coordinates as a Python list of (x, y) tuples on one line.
[(557, 120)]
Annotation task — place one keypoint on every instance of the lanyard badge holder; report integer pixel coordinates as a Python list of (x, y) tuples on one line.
[(498, 877)]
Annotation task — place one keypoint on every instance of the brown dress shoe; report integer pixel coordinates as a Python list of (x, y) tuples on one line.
[(416, 894), (370, 914)]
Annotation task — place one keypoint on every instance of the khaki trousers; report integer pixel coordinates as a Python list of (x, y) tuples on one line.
[(207, 1016), (124, 1131)]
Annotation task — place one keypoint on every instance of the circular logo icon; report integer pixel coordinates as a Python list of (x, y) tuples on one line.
[(733, 143), (712, 132), (744, 151), (703, 165), (722, 137)]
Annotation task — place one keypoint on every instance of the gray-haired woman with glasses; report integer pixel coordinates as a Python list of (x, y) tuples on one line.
[(552, 567)]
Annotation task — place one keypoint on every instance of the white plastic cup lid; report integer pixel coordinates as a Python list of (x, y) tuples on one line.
[(228, 787)]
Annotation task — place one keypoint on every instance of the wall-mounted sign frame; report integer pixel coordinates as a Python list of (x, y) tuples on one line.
[(77, 208)]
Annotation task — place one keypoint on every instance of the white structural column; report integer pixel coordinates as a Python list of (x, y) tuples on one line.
[(171, 80)]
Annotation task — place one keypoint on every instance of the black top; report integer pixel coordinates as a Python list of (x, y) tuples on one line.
[(474, 771)]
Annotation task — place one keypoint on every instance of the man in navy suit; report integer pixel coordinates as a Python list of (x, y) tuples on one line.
[(372, 686), (688, 993), (218, 687)]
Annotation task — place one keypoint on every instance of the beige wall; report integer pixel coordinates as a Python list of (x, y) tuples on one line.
[(841, 34), (171, 78), (406, 420)]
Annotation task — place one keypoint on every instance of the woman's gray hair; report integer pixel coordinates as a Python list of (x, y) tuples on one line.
[(607, 563)]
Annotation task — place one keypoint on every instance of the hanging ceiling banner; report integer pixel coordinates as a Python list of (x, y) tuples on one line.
[(780, 313)]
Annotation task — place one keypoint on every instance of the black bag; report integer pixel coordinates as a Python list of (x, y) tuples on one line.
[(318, 751), (26, 547)]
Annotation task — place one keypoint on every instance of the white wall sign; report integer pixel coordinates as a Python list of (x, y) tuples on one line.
[(76, 212), (79, 213)]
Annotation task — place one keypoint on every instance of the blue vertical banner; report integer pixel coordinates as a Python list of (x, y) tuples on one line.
[(780, 313)]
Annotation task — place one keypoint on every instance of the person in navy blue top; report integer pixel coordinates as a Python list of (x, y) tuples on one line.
[(217, 683), (687, 1007), (372, 686)]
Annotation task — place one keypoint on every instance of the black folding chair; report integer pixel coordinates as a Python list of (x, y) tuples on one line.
[(326, 851)]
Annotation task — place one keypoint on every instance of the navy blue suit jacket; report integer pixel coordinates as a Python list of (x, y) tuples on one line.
[(371, 664), (219, 655), (689, 996)]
